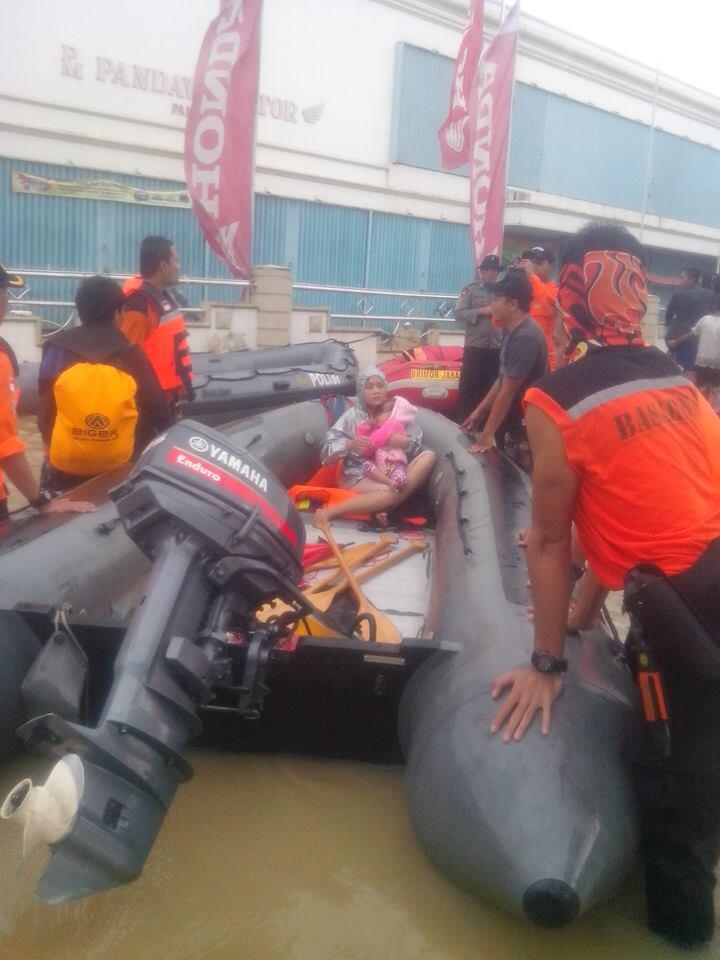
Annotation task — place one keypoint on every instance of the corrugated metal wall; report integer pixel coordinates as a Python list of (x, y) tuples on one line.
[(63, 233), (686, 180), (420, 104), (558, 146), (528, 124), (322, 244), (561, 146), (592, 155)]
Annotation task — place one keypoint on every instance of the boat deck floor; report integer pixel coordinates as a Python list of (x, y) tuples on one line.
[(401, 592)]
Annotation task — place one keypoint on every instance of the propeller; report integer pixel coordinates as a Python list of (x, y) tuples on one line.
[(47, 812)]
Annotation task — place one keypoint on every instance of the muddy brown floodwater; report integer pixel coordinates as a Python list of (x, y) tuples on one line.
[(275, 858)]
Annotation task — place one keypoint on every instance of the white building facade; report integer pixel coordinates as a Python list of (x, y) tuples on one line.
[(348, 187)]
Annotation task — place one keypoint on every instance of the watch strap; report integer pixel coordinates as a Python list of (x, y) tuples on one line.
[(547, 663), (41, 500)]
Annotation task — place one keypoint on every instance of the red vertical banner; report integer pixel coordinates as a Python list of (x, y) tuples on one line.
[(489, 129), (453, 134), (220, 132)]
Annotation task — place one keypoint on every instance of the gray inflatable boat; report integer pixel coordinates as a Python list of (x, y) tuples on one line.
[(544, 827), (241, 383), (232, 385)]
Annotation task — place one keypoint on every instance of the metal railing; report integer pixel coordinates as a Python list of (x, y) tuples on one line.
[(368, 291), (25, 301), (410, 300), (365, 304), (81, 274)]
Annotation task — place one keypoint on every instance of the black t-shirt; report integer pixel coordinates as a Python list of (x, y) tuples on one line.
[(523, 355), (685, 309)]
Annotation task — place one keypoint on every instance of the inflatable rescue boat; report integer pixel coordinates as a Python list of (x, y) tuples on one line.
[(240, 383), (229, 386), (205, 530), (427, 376)]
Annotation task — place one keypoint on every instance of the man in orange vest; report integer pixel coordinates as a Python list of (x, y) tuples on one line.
[(627, 448), (10, 372), (13, 462), (537, 264), (152, 319)]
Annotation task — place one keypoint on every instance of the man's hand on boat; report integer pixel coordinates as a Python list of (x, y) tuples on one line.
[(64, 505), (482, 444), (471, 423), (530, 692)]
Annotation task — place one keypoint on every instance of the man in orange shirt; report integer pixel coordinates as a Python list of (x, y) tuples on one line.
[(10, 371), (538, 263), (13, 461), (615, 436)]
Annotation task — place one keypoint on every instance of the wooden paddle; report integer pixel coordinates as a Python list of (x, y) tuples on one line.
[(324, 600), (322, 595), (385, 629), (356, 555)]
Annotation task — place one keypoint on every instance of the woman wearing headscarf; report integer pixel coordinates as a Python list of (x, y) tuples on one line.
[(344, 443), (626, 447)]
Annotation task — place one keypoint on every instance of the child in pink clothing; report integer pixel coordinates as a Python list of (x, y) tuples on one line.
[(389, 465)]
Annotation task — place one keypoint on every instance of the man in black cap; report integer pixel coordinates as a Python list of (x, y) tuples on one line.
[(481, 355), (13, 462), (523, 360)]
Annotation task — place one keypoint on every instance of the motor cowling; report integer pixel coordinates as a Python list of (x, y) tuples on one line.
[(192, 478), (223, 536)]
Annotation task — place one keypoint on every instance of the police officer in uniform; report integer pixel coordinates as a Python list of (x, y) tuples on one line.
[(481, 356)]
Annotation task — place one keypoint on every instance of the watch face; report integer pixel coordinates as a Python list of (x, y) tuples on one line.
[(543, 661)]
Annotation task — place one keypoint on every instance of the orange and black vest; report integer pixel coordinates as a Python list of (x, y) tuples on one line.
[(645, 446), (9, 396), (164, 338)]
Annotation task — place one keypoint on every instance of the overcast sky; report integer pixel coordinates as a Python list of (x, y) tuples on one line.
[(684, 36)]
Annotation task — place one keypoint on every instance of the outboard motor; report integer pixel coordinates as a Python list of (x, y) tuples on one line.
[(224, 537)]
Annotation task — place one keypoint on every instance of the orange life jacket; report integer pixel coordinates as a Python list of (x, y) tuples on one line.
[(643, 443), (166, 344), (11, 371), (307, 495), (323, 489)]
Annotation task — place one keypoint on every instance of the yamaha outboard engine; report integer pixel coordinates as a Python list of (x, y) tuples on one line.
[(224, 537)]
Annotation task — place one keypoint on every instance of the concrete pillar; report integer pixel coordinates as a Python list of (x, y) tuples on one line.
[(272, 297), (652, 330)]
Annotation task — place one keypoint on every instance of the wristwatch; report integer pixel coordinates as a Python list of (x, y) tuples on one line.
[(545, 662), (42, 498)]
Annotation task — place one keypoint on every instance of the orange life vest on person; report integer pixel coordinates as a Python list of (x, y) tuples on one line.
[(165, 340), (645, 446), (8, 376), (542, 310)]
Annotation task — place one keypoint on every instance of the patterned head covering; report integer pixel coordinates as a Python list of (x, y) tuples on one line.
[(363, 378), (603, 299)]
